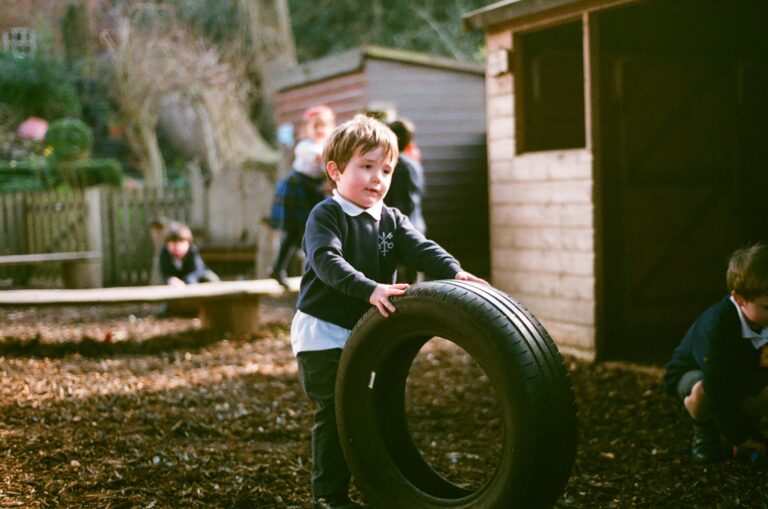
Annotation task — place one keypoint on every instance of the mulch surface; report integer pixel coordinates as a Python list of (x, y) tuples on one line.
[(115, 407)]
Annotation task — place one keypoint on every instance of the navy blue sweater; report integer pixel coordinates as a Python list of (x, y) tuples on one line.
[(192, 266), (348, 256), (731, 366)]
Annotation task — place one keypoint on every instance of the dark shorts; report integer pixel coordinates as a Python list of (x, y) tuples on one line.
[(687, 381)]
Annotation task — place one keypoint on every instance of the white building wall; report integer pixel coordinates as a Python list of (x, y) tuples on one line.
[(541, 222)]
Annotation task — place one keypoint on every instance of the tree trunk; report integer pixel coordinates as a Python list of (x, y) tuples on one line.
[(268, 23), (212, 159), (154, 165)]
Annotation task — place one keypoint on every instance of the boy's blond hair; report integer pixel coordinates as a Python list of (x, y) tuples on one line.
[(361, 133), (747, 274)]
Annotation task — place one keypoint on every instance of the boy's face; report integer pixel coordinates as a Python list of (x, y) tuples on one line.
[(366, 178), (178, 248), (756, 311), (319, 127)]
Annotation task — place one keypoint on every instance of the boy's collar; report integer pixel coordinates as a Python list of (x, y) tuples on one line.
[(353, 210), (759, 339)]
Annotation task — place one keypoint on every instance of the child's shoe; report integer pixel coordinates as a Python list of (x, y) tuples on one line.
[(745, 455), (748, 455), (705, 447), (281, 277), (331, 503)]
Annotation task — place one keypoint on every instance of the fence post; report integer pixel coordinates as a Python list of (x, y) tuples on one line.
[(93, 229), (157, 232)]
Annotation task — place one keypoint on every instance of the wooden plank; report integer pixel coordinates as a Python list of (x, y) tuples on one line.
[(529, 16), (514, 237), (500, 151), (234, 316), (572, 335), (13, 238), (30, 205), (501, 128), (542, 192), (526, 263), (48, 257), (500, 106), (205, 292), (556, 165), (550, 215), (500, 86), (498, 39), (541, 284), (551, 310), (223, 254)]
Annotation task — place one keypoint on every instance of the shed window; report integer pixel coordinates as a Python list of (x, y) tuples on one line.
[(550, 80)]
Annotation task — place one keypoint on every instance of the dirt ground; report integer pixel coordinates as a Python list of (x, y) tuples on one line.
[(117, 408)]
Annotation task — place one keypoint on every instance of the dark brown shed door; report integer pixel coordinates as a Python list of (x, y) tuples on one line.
[(671, 159)]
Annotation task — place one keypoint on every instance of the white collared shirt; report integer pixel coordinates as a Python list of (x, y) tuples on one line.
[(309, 333), (758, 339), (353, 210)]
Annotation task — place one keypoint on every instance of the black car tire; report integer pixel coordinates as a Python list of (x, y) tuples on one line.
[(523, 366)]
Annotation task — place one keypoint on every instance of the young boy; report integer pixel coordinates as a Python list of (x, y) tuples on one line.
[(180, 261), (720, 369), (352, 244)]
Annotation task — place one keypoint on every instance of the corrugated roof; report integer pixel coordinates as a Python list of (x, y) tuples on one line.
[(354, 59)]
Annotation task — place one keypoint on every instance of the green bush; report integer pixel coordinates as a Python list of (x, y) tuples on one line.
[(101, 171), (71, 140), (37, 86), (36, 174), (89, 172), (29, 175), (22, 185)]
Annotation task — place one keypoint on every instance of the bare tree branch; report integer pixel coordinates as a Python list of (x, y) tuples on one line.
[(438, 30)]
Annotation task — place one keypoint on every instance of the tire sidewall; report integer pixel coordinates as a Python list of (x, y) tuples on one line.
[(474, 328)]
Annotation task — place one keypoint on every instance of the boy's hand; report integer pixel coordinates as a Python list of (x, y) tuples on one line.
[(382, 293), (466, 276), (174, 281)]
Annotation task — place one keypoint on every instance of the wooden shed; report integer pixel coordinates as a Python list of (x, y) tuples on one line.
[(628, 149), (444, 98)]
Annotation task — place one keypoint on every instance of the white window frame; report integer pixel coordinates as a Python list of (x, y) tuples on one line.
[(20, 40)]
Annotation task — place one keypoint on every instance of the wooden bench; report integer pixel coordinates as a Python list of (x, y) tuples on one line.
[(81, 269), (230, 260), (226, 306), (239, 254)]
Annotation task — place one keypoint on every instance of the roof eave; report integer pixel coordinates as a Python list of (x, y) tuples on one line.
[(519, 11), (322, 68)]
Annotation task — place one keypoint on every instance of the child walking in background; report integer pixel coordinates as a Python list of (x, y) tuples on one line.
[(719, 371), (353, 243), (302, 189)]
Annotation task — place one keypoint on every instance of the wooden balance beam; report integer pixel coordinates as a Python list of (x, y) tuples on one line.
[(81, 269), (226, 306)]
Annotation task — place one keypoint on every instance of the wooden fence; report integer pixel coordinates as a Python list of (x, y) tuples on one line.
[(115, 222)]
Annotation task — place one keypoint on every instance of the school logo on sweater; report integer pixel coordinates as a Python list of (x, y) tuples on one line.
[(385, 243)]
